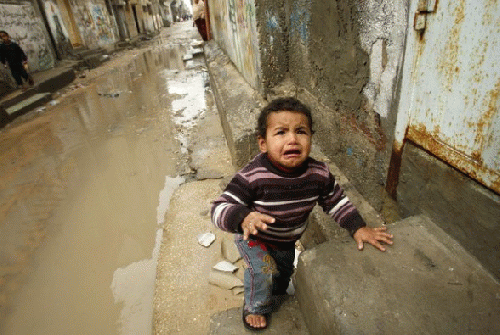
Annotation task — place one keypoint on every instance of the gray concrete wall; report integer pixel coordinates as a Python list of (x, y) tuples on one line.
[(24, 23), (345, 57), (272, 24)]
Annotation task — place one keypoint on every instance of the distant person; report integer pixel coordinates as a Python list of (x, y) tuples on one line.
[(268, 201), (14, 55), (199, 18)]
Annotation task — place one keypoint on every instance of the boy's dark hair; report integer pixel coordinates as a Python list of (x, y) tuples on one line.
[(4, 32), (281, 105)]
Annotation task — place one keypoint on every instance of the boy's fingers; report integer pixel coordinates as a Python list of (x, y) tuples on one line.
[(266, 218), (360, 245), (377, 245), (261, 225), (386, 239)]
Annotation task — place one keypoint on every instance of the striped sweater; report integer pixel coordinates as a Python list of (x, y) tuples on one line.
[(288, 197)]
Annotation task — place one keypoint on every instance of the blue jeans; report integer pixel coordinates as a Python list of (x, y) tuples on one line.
[(267, 273)]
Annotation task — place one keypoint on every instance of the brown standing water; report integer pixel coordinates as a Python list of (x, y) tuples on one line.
[(84, 186)]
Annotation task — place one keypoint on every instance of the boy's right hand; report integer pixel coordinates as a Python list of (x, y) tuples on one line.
[(254, 222)]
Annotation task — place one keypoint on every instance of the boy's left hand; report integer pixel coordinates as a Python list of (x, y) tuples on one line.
[(373, 236)]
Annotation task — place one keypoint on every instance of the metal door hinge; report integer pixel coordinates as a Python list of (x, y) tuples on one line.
[(425, 7)]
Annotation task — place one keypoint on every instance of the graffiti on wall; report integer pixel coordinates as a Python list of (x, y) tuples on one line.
[(95, 25), (299, 21), (27, 29), (236, 30)]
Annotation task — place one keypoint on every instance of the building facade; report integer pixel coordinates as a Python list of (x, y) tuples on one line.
[(53, 30)]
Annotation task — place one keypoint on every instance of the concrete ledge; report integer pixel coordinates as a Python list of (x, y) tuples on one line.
[(426, 283), (34, 101), (58, 79), (238, 104)]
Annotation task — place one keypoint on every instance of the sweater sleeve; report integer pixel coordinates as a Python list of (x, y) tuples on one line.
[(337, 205), (232, 206)]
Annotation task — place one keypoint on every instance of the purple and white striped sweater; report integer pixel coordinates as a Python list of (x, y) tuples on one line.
[(288, 197)]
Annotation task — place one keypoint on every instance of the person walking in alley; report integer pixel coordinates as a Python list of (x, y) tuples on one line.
[(14, 55), (199, 18), (266, 205)]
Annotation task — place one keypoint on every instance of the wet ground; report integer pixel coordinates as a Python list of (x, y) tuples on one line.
[(85, 184)]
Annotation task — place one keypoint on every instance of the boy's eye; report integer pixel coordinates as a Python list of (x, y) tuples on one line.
[(280, 132)]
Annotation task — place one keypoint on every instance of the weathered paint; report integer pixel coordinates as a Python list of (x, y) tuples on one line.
[(27, 29), (300, 18), (382, 35), (96, 26), (450, 93), (233, 26)]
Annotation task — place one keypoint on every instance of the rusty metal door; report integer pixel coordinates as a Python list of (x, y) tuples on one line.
[(450, 91)]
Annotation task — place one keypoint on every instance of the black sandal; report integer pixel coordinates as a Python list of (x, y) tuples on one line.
[(249, 326)]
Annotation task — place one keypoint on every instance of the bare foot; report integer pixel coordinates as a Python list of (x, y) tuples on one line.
[(256, 320)]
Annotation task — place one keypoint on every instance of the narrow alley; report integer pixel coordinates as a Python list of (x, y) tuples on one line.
[(106, 188), (86, 182)]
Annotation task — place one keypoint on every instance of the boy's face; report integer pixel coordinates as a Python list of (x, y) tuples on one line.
[(288, 140), (5, 37)]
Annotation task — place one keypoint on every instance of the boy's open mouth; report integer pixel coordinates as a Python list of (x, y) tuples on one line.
[(292, 152)]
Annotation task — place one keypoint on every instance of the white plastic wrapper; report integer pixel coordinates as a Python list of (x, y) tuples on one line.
[(225, 266), (206, 239)]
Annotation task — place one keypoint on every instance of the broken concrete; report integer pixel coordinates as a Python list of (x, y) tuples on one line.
[(224, 280)]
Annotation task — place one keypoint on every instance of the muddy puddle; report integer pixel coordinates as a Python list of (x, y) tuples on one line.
[(85, 183)]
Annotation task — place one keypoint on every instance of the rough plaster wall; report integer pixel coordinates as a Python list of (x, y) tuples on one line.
[(329, 66), (345, 57), (25, 26), (272, 23), (383, 27), (97, 27), (234, 27), (462, 207)]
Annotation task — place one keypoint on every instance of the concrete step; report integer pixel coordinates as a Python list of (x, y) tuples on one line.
[(81, 53), (30, 103), (54, 80), (46, 83), (287, 320), (426, 283)]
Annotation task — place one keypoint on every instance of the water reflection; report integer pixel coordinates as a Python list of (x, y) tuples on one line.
[(79, 194)]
